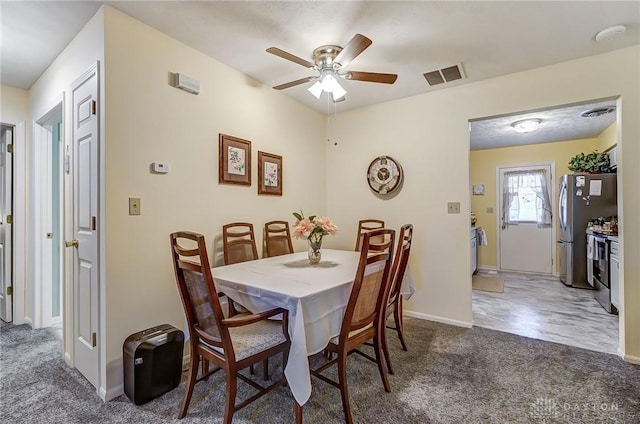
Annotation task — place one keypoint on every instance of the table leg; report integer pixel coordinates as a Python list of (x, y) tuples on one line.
[(298, 413)]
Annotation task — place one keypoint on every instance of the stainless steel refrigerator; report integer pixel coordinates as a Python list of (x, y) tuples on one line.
[(582, 198)]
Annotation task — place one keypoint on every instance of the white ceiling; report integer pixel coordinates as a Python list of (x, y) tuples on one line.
[(410, 38)]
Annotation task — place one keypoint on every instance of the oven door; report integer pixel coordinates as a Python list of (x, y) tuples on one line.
[(601, 261)]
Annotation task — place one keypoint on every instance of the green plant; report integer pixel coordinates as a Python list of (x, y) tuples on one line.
[(594, 162)]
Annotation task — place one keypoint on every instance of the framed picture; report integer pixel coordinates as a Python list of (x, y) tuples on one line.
[(234, 160), (269, 174)]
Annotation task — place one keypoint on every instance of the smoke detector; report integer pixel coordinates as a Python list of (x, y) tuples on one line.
[(598, 112), (610, 33)]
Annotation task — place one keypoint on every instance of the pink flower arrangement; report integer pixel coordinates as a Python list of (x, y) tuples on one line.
[(313, 228)]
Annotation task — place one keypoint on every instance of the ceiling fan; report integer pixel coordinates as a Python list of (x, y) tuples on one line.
[(329, 61)]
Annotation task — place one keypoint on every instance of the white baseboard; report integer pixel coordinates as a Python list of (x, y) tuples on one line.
[(487, 268), (114, 392), (629, 358), (435, 318)]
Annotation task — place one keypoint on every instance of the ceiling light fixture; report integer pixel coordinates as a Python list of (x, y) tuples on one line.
[(610, 33), (327, 82), (526, 125)]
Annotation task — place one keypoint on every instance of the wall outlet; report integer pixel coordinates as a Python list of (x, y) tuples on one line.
[(134, 206), (453, 207)]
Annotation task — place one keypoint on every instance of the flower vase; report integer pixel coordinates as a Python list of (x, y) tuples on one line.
[(315, 244)]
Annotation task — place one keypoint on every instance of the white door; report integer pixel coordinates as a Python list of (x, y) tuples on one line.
[(525, 245), (6, 184), (85, 214)]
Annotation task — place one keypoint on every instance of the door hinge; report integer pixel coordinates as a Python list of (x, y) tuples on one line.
[(93, 107), (93, 340), (9, 148), (10, 291), (9, 219)]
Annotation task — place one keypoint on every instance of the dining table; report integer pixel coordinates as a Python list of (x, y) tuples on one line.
[(316, 296)]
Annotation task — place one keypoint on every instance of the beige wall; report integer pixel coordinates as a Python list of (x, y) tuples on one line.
[(608, 138), (482, 168), (148, 120), (14, 104), (429, 135)]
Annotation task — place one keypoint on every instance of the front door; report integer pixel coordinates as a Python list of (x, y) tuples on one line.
[(85, 215), (6, 185), (525, 243)]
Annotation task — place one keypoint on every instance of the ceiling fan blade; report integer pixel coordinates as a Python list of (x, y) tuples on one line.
[(356, 46), (291, 57), (294, 83), (371, 77)]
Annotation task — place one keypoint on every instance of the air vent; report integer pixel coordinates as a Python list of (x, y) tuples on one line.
[(598, 112), (448, 74)]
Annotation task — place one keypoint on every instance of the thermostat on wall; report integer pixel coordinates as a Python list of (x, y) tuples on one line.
[(160, 167), (478, 189)]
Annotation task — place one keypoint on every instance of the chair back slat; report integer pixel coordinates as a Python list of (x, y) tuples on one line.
[(365, 226), (199, 297), (371, 284), (239, 243), (368, 297), (277, 237), (400, 261)]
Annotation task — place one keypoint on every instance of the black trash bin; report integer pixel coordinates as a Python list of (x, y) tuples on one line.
[(152, 362)]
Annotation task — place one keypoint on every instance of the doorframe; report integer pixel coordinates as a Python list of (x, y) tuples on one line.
[(7, 193), (20, 219), (42, 283), (554, 200)]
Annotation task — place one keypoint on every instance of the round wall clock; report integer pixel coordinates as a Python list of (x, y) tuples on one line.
[(384, 175)]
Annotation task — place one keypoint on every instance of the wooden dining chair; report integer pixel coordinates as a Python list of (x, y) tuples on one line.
[(277, 238), (361, 322), (231, 344), (394, 302), (238, 243), (364, 226)]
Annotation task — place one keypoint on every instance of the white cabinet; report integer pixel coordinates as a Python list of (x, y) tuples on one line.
[(474, 252), (614, 275)]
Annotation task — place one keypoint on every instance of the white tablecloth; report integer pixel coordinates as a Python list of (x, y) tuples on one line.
[(315, 296)]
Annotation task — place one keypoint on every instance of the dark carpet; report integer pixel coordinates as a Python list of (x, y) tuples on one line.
[(449, 375)]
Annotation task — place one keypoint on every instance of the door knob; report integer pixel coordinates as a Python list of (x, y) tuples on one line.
[(71, 243)]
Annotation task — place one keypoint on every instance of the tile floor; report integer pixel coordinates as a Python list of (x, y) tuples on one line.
[(542, 307)]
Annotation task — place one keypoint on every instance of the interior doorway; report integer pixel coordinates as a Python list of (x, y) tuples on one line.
[(535, 304), (6, 220), (48, 293)]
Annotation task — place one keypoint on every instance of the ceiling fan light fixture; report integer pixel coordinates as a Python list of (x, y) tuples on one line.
[(329, 84), (316, 89), (526, 125), (338, 92)]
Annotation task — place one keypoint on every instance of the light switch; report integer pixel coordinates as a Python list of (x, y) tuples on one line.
[(453, 207), (134, 206)]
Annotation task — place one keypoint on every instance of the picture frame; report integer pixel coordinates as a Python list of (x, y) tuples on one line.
[(269, 174), (234, 160)]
